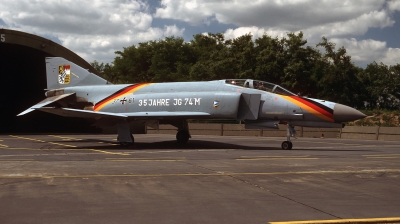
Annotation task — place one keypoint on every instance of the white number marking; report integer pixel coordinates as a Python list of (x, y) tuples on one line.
[(165, 102)]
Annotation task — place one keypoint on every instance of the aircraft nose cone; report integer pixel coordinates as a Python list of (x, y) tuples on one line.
[(343, 113)]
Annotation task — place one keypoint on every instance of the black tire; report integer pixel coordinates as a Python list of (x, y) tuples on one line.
[(182, 136), (126, 144), (286, 145)]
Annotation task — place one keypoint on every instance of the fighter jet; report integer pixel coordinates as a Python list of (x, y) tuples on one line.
[(72, 91)]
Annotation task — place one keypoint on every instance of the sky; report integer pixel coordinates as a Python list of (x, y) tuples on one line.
[(95, 29)]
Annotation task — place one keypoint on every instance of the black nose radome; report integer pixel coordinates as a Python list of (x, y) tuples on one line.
[(342, 113)]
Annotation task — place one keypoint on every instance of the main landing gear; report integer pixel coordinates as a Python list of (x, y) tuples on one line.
[(126, 144), (287, 145), (125, 138), (182, 136)]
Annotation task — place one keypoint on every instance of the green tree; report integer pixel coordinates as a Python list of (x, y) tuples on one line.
[(270, 60), (133, 63), (382, 86), (106, 71), (242, 56), (338, 80), (214, 59), (300, 62), (287, 61), (172, 60)]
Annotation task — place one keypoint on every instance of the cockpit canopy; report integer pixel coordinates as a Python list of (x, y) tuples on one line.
[(261, 85)]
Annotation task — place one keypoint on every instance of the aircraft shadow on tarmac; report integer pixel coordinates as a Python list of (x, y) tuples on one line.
[(172, 144), (192, 144)]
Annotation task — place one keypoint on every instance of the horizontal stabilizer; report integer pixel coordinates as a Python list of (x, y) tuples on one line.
[(45, 102)]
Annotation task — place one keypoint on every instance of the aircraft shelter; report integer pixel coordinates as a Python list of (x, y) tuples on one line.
[(23, 80)]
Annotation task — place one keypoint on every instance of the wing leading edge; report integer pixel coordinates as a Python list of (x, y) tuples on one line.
[(69, 112)]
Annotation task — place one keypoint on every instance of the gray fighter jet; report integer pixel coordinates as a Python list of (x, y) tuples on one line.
[(74, 92)]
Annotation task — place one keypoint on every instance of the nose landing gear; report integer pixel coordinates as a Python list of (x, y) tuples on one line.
[(287, 145)]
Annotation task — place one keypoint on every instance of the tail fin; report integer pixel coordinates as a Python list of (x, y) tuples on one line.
[(62, 73)]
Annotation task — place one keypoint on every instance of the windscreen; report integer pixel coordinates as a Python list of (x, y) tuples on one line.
[(236, 82), (261, 85), (282, 91)]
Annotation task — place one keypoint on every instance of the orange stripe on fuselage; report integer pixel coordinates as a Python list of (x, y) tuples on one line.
[(307, 108), (314, 106), (117, 95)]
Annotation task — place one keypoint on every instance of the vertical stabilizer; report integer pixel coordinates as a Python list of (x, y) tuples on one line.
[(62, 73)]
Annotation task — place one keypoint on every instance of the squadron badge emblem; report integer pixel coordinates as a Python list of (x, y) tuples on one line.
[(64, 74)]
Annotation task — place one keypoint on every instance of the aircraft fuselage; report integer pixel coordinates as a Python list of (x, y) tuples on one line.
[(219, 99)]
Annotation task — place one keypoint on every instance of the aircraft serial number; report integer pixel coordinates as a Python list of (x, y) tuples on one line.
[(168, 102)]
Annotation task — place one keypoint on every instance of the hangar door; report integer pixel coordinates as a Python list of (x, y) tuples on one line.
[(22, 84)]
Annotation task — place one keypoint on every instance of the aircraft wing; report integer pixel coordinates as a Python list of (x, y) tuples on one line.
[(69, 112), (45, 102)]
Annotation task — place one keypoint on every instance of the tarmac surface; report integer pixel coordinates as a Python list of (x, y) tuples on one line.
[(211, 179)]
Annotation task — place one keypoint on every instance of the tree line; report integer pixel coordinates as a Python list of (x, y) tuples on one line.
[(322, 71)]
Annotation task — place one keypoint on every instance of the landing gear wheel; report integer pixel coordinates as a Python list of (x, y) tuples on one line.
[(126, 144), (182, 136), (286, 145)]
